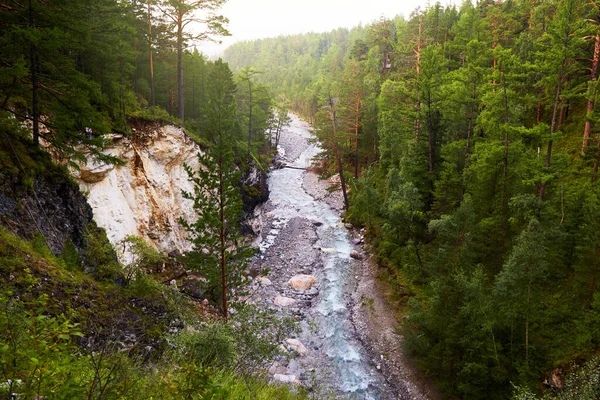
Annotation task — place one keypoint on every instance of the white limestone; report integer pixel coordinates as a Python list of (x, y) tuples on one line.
[(143, 197)]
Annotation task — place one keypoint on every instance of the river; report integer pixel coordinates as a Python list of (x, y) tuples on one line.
[(302, 233)]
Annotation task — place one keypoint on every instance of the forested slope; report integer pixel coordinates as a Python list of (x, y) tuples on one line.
[(469, 137), (76, 323)]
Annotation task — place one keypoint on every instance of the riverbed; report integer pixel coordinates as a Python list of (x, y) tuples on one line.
[(301, 232)]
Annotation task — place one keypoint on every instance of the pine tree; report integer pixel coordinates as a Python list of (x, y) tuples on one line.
[(182, 13), (218, 250)]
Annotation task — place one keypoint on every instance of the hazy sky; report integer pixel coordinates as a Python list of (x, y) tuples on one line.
[(253, 19)]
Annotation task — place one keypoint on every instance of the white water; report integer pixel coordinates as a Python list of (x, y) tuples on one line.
[(335, 334)]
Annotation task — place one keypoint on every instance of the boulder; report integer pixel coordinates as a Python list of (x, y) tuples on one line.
[(94, 172), (296, 345), (264, 281), (356, 255), (555, 379), (328, 250), (286, 378), (302, 282), (282, 301)]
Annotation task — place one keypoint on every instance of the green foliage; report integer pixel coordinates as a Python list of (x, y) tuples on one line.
[(213, 346), (36, 351), (479, 196), (218, 253), (43, 352), (145, 258), (71, 257), (100, 256)]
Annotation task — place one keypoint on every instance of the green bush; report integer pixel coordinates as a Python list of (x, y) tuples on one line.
[(100, 255), (71, 256), (145, 257), (142, 285), (214, 346)]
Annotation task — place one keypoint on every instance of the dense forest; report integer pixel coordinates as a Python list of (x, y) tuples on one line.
[(77, 70), (469, 141), (77, 322)]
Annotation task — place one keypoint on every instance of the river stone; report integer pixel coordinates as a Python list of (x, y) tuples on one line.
[(264, 281), (302, 282), (356, 255), (297, 346), (282, 301), (286, 378)]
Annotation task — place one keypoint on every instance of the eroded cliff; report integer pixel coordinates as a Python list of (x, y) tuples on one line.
[(143, 197)]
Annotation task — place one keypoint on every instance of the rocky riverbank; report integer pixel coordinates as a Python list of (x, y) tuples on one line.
[(315, 268)]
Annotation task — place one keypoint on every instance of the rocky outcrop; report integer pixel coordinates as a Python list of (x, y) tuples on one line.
[(143, 197), (255, 189), (51, 204)]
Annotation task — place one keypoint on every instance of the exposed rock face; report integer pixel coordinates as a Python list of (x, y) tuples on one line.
[(54, 205), (144, 197)]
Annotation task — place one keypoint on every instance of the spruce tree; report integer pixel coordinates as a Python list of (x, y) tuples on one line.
[(219, 254)]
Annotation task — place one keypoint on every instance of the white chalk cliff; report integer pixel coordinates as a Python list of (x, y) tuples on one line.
[(143, 197)]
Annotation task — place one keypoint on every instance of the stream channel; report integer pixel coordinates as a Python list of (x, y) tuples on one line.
[(302, 233)]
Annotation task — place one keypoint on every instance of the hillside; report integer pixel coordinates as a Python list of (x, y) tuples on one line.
[(467, 139)]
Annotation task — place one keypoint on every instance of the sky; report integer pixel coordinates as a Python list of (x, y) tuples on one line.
[(255, 19)]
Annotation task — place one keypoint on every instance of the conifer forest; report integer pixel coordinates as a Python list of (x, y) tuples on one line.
[(463, 141)]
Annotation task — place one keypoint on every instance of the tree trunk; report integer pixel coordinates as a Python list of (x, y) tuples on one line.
[(180, 69), (152, 97), (34, 84), (505, 156), (193, 94), (278, 131), (202, 97), (122, 93), (553, 123), (430, 138), (222, 237), (356, 125), (590, 103), (418, 71), (249, 119), (337, 154), (136, 67), (180, 14), (470, 126)]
